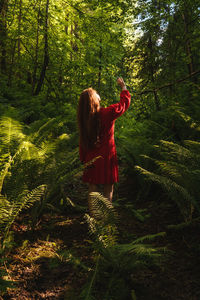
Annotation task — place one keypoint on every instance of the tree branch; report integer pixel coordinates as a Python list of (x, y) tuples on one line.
[(169, 84)]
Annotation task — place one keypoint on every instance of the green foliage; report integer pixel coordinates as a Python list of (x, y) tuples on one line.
[(31, 162), (84, 47), (115, 262), (5, 283), (161, 56), (102, 209), (136, 139), (179, 174), (154, 46), (9, 211)]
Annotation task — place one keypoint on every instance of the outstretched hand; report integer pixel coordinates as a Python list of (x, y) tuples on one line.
[(121, 83)]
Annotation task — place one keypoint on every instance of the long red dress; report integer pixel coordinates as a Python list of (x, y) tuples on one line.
[(104, 170)]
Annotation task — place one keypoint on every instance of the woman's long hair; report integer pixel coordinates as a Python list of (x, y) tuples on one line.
[(88, 118)]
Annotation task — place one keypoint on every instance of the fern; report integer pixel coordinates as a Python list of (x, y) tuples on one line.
[(178, 173), (43, 132), (9, 211), (194, 146), (175, 151), (102, 208), (11, 133), (14, 148), (115, 261)]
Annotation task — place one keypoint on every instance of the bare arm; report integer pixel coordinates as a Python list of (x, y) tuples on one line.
[(121, 83)]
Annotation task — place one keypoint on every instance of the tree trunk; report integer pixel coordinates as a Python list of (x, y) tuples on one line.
[(36, 51), (46, 53), (188, 47), (156, 98), (12, 63), (19, 29), (100, 66), (71, 41), (3, 34)]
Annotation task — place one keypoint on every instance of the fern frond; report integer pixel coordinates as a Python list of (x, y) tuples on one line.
[(10, 130), (22, 202), (102, 208), (174, 150), (103, 223), (194, 146), (176, 191), (4, 171), (125, 257), (43, 131), (169, 167), (4, 209), (167, 183), (4, 157), (173, 169), (149, 237), (46, 148), (139, 250), (27, 151), (187, 119), (104, 235)]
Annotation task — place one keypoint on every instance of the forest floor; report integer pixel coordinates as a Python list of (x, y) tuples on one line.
[(54, 260)]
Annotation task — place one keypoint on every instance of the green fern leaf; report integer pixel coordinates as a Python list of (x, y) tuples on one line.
[(176, 191), (22, 202)]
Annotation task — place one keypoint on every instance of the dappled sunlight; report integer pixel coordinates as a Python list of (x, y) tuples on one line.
[(60, 239)]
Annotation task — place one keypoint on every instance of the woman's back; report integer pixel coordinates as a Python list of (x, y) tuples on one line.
[(104, 169)]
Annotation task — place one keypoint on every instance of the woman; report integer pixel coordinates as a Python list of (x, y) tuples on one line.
[(97, 146)]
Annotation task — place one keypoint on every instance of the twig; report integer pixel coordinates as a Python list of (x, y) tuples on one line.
[(169, 84)]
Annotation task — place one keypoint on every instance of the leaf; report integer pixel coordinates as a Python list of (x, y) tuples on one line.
[(133, 295), (9, 211)]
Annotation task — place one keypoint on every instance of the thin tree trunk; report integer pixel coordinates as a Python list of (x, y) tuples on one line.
[(156, 98), (36, 51), (12, 63), (3, 34), (188, 47), (66, 25), (71, 41), (46, 53), (100, 65), (19, 29)]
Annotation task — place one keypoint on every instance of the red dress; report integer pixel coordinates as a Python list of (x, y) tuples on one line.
[(104, 169)]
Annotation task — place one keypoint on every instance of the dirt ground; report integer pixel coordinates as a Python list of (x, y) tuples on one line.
[(54, 260)]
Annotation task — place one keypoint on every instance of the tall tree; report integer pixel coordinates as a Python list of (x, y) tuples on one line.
[(3, 34), (35, 67), (46, 51)]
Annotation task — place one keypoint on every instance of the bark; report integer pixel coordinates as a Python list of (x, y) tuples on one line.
[(100, 65), (3, 34), (66, 25), (34, 79), (156, 98), (19, 29), (188, 47), (46, 53), (71, 41), (12, 63), (73, 36)]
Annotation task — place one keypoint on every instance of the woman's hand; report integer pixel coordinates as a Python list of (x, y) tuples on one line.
[(121, 83)]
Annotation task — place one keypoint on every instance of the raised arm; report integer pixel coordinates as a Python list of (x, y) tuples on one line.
[(121, 83), (117, 109)]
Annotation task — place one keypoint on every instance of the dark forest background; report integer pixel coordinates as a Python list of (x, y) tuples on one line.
[(49, 52)]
